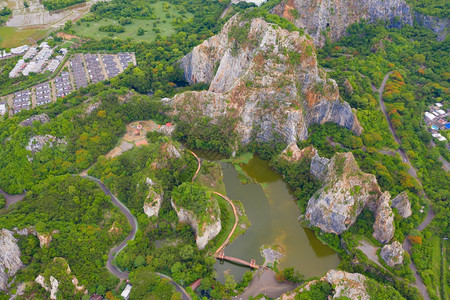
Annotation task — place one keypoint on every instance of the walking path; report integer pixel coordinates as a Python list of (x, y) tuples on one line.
[(199, 165), (412, 171)]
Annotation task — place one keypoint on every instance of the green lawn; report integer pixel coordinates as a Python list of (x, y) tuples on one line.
[(164, 25), (13, 37)]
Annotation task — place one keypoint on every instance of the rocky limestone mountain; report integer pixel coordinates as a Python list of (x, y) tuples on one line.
[(345, 285), (402, 204), (37, 143), (152, 203), (203, 232), (44, 238), (154, 199), (330, 18), (42, 118), (293, 154), (10, 261), (393, 254), (383, 228), (52, 289), (264, 77), (344, 194)]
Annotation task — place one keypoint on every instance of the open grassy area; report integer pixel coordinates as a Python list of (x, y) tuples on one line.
[(162, 23), (13, 37)]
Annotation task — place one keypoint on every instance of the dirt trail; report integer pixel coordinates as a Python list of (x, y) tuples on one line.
[(11, 199), (412, 171)]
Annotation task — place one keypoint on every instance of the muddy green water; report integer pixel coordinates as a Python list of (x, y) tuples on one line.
[(273, 214)]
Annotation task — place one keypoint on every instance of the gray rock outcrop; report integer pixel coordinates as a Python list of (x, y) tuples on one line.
[(383, 228), (331, 18), (10, 261), (269, 82), (319, 167), (203, 232), (37, 143), (344, 194), (53, 288), (393, 254), (345, 285), (42, 118), (152, 203), (402, 204)]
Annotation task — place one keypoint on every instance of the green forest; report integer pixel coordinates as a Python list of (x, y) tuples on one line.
[(82, 224)]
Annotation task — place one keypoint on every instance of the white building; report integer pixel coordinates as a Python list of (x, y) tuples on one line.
[(126, 292), (440, 112), (439, 137), (439, 105), (17, 68), (429, 116), (44, 45), (19, 50), (2, 108), (30, 53)]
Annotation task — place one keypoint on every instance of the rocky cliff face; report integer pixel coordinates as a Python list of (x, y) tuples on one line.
[(322, 18), (10, 261), (346, 191), (383, 228), (42, 118), (392, 254), (152, 203), (203, 232), (345, 285), (402, 204), (37, 143), (264, 77), (53, 288)]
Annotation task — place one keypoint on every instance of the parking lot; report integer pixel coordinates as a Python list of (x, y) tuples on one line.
[(79, 74), (21, 100), (84, 69), (62, 84), (43, 93), (110, 65), (125, 59), (94, 68)]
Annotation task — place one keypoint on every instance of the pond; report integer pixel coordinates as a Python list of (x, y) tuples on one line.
[(273, 213)]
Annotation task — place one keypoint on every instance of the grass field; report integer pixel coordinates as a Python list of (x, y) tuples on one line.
[(13, 37), (90, 29)]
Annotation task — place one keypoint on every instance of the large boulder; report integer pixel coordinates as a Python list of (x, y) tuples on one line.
[(344, 194), (10, 261), (383, 228), (263, 77), (345, 286), (42, 118), (204, 232), (402, 204), (324, 19), (393, 254), (52, 288), (153, 203)]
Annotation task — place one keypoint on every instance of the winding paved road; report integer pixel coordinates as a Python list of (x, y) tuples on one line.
[(11, 199), (412, 171), (134, 227)]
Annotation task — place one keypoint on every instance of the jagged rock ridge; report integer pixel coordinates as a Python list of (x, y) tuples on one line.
[(346, 191), (10, 261), (264, 77), (322, 18)]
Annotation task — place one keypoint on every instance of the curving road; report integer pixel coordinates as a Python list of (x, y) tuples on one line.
[(134, 227), (236, 219), (412, 171), (12, 199)]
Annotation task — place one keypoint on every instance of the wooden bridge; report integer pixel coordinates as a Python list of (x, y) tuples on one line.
[(252, 264)]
